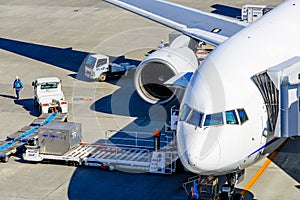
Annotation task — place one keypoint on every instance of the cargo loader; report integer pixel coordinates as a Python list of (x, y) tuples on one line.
[(61, 142)]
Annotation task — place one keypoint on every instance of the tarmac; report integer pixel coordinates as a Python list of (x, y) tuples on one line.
[(52, 38)]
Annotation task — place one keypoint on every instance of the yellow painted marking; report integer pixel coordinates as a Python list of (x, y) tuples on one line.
[(263, 168)]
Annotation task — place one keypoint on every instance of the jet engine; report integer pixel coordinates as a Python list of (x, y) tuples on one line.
[(162, 65)]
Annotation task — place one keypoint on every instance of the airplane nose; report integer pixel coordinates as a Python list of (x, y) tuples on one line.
[(199, 149), (198, 145)]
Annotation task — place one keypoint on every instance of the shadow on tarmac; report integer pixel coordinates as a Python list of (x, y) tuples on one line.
[(124, 185), (226, 10), (126, 102), (92, 183), (65, 58), (7, 96), (288, 159), (136, 107), (27, 104)]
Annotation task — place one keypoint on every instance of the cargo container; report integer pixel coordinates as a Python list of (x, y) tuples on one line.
[(59, 137)]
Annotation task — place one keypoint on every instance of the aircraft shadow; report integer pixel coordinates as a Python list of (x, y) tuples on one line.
[(65, 58), (141, 113), (137, 108), (121, 185), (226, 10), (147, 116), (126, 102), (288, 159)]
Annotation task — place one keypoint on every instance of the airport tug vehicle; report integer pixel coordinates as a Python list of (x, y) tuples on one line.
[(99, 67)]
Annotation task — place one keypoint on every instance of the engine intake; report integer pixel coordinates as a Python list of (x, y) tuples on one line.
[(159, 67)]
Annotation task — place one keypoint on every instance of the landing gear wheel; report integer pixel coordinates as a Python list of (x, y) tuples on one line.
[(103, 77)]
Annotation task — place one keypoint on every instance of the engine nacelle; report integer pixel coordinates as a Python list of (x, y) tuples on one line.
[(162, 65)]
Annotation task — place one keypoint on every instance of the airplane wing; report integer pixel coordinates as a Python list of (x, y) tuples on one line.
[(199, 25)]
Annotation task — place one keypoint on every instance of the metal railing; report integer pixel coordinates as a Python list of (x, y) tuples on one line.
[(135, 139)]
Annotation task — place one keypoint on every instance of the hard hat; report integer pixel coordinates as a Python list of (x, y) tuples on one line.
[(17, 77)]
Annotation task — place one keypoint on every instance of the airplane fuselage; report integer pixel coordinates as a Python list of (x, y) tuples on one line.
[(223, 119)]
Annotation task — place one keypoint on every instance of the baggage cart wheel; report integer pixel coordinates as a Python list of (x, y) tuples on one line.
[(5, 159)]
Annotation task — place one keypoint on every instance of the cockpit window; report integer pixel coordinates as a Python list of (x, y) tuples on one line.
[(195, 118), (214, 119), (231, 117), (243, 116), (184, 112)]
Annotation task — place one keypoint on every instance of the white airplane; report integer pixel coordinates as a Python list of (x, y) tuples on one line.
[(226, 121)]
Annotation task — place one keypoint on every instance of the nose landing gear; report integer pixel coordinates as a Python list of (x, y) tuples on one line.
[(228, 190), (214, 188)]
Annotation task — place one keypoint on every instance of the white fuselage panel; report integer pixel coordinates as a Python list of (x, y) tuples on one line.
[(223, 82)]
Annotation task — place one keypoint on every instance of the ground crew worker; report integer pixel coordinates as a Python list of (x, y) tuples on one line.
[(18, 85), (195, 190)]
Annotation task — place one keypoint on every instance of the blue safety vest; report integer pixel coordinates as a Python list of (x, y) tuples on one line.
[(18, 84), (196, 191)]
